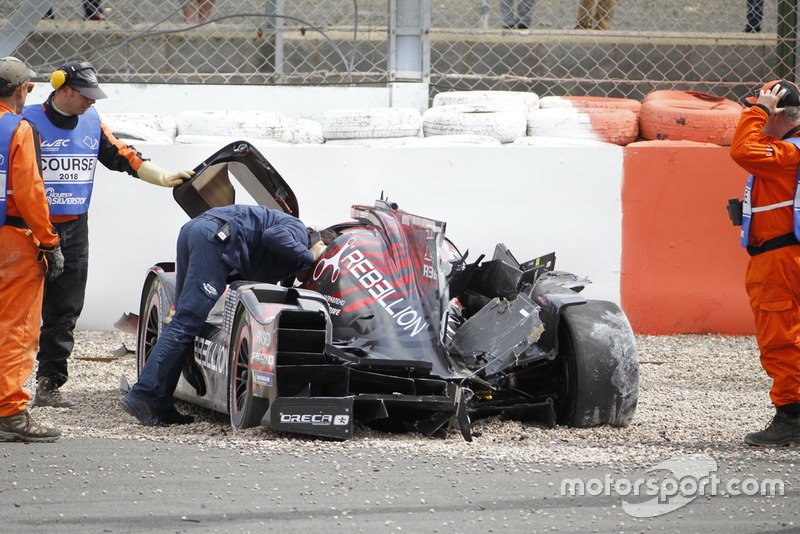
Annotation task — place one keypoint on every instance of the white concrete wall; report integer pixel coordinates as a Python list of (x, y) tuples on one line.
[(533, 199)]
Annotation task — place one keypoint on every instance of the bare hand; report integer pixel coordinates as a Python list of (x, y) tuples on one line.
[(769, 99), (317, 249)]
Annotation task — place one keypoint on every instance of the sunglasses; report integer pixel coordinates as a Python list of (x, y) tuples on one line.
[(29, 87)]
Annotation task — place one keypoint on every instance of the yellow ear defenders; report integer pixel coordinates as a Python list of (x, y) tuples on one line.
[(60, 77)]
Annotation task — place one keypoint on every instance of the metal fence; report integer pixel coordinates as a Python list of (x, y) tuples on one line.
[(648, 44)]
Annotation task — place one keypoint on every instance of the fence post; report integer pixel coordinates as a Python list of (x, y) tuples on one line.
[(274, 25), (787, 39), (409, 40)]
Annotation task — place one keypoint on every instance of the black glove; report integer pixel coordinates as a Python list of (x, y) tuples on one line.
[(55, 261)]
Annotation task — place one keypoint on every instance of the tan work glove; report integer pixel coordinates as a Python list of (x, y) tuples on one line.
[(152, 173)]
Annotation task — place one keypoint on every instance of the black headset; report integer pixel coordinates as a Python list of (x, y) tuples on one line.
[(63, 75)]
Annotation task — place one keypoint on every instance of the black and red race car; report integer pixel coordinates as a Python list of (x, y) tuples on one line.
[(393, 328)]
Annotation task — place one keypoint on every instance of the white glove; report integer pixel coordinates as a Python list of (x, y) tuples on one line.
[(152, 173)]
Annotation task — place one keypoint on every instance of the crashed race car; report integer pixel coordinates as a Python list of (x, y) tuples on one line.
[(393, 328)]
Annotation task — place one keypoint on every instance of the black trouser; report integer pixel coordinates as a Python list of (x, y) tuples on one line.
[(90, 7), (755, 14), (63, 301)]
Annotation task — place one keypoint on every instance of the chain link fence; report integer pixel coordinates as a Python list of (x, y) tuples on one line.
[(544, 46)]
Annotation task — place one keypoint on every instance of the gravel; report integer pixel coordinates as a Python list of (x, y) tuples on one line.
[(699, 394)]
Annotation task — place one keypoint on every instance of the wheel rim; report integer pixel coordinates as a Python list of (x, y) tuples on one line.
[(241, 377), (152, 327)]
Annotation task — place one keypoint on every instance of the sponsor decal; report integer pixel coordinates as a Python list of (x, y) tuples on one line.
[(333, 262), (341, 420), (262, 378), (376, 285), (317, 419), (264, 338), (2, 159), (91, 143), (54, 145), (54, 198), (262, 358), (209, 290), (336, 304), (211, 355)]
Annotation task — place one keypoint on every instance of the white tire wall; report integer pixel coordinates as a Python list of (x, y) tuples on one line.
[(504, 124), (371, 123), (132, 133), (164, 123), (303, 131), (380, 142), (527, 101), (221, 140), (236, 123), (590, 102), (618, 126)]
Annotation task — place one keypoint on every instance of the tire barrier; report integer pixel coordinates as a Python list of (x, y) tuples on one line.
[(161, 122), (590, 102), (370, 123), (618, 126), (527, 101), (669, 143), (222, 140), (689, 116), (379, 142), (503, 123), (135, 133), (241, 124), (303, 132)]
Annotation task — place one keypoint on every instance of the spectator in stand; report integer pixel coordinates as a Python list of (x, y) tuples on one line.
[(595, 14), (91, 11), (197, 11), (755, 14), (519, 18)]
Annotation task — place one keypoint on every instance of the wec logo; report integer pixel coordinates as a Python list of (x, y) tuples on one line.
[(56, 143)]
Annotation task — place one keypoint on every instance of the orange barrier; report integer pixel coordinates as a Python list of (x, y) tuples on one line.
[(682, 266)]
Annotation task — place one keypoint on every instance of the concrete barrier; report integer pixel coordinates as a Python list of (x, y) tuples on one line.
[(646, 224)]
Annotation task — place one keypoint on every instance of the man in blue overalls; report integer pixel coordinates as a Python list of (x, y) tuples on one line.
[(249, 242)]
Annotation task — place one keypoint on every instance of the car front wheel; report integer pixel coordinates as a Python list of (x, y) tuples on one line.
[(246, 409)]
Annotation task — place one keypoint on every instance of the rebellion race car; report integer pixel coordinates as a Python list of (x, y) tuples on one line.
[(393, 328)]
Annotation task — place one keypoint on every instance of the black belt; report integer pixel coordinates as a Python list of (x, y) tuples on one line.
[(773, 244), (16, 222)]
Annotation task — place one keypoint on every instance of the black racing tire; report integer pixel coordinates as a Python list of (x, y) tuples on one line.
[(149, 322), (245, 409), (597, 352)]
